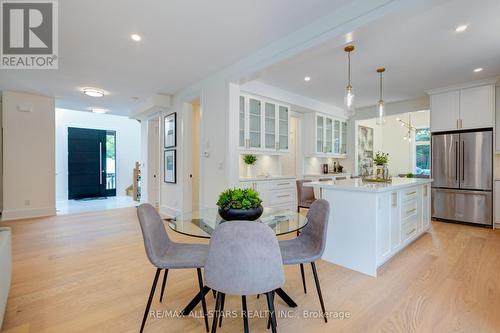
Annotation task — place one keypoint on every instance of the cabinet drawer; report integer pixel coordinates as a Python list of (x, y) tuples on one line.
[(410, 194), (409, 208), (409, 229), (282, 184), (281, 197)]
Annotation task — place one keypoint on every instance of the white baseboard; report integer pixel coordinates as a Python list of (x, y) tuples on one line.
[(169, 211), (18, 214)]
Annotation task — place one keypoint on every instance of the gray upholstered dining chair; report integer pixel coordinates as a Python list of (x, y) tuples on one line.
[(244, 258), (310, 244), (165, 254), (305, 195)]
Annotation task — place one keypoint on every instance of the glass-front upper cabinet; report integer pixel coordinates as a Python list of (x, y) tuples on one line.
[(343, 150), (328, 135), (283, 127), (254, 122), (336, 137), (320, 135), (242, 123), (270, 126)]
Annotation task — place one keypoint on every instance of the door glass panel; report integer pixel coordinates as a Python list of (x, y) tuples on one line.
[(336, 137), (344, 138), (270, 126), (328, 135), (255, 126), (319, 134), (283, 128), (110, 160), (242, 121)]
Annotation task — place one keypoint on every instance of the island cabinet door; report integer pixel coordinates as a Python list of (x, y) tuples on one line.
[(426, 206), (395, 221), (384, 249)]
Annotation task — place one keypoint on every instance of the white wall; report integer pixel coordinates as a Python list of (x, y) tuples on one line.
[(28, 156), (128, 145)]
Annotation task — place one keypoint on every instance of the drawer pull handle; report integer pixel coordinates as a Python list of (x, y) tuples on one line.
[(282, 184), (284, 196), (411, 193), (411, 231), (411, 211)]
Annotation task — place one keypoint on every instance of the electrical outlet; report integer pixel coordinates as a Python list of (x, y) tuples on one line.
[(27, 202)]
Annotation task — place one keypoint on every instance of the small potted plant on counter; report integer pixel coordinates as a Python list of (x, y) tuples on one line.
[(249, 161), (240, 204), (381, 160)]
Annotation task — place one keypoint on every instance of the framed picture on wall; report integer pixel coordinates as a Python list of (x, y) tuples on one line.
[(169, 166), (170, 126)]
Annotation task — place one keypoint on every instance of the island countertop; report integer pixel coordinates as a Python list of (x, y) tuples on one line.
[(358, 184)]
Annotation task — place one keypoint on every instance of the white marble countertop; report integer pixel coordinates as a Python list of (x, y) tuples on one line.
[(358, 184), (339, 174), (264, 178)]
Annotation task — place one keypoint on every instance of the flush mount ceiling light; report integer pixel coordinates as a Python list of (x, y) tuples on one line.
[(93, 92), (349, 94), (307, 78), (380, 104), (477, 70), (136, 37), (461, 28), (99, 110)]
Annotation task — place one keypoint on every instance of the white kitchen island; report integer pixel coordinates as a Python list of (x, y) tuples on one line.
[(370, 222)]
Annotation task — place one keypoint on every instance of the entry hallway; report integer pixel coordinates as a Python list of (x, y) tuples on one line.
[(89, 273)]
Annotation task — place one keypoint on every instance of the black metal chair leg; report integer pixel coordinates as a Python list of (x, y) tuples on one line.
[(216, 312), (163, 284), (245, 315), (150, 299), (214, 293), (318, 288), (203, 302), (222, 301), (270, 304), (303, 278)]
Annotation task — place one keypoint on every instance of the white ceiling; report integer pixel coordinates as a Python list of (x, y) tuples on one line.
[(183, 42), (420, 50)]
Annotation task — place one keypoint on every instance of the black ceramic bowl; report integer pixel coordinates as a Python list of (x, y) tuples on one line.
[(232, 214)]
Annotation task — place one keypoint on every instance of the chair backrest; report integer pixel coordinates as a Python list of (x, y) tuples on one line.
[(244, 258), (156, 239), (304, 193), (315, 230)]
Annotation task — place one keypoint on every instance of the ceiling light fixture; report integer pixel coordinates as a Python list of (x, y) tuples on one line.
[(409, 126), (307, 78), (477, 70), (93, 92), (99, 110), (136, 37), (349, 94), (380, 104), (461, 28)]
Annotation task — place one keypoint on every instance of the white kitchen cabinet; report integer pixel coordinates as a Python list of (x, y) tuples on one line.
[(496, 203), (325, 136), (274, 193), (426, 207), (466, 108), (497, 112), (264, 125)]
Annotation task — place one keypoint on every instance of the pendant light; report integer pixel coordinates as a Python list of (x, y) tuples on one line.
[(380, 104), (349, 94)]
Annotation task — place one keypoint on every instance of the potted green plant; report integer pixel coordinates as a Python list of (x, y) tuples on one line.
[(381, 159), (249, 161), (240, 204)]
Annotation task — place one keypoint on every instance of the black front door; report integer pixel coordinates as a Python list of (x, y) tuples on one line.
[(87, 163)]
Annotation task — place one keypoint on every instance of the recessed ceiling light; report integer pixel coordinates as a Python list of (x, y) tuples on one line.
[(99, 110), (461, 28), (477, 70), (93, 92), (307, 78), (136, 37)]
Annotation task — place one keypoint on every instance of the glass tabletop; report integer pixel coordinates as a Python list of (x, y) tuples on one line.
[(203, 222)]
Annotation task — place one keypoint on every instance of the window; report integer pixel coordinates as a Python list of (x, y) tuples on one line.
[(423, 151)]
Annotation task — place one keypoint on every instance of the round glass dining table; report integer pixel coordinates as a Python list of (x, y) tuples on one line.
[(202, 223)]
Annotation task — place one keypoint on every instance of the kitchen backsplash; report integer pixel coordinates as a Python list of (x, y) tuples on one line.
[(265, 165), (314, 165)]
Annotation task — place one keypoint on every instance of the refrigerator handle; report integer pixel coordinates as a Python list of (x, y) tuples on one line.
[(462, 158), (456, 161)]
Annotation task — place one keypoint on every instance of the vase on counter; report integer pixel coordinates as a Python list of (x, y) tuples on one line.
[(250, 171), (382, 171)]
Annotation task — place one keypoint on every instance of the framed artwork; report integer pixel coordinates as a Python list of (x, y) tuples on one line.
[(170, 126), (365, 150), (169, 166)]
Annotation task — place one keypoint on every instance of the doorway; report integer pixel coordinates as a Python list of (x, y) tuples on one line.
[(91, 163)]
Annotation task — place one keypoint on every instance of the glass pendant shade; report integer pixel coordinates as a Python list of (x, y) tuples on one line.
[(381, 112), (349, 102)]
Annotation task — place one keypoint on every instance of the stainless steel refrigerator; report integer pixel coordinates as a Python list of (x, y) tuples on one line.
[(462, 169)]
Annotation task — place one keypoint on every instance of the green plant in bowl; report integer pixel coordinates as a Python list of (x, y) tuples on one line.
[(381, 158), (240, 204), (249, 159)]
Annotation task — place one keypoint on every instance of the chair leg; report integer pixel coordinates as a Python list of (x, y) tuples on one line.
[(245, 315), (270, 304), (318, 288), (150, 299), (203, 302), (216, 312), (214, 293), (303, 278), (163, 284), (222, 301)]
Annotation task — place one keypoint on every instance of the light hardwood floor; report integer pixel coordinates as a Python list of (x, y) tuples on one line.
[(89, 273)]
